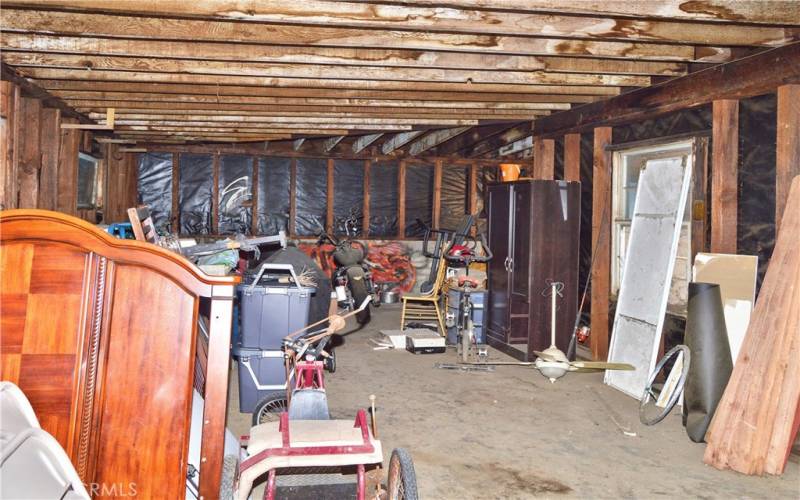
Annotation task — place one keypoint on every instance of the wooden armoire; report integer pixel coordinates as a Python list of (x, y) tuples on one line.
[(534, 234)]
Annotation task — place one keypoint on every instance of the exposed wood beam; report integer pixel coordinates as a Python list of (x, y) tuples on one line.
[(572, 157), (544, 158), (787, 161), (434, 138), (533, 93), (516, 146), (601, 243), (399, 140), (297, 144), (300, 71), (31, 89), (353, 18), (108, 117), (754, 75), (241, 120), (724, 175), (332, 143), (220, 51), (364, 141), (470, 138), (495, 142)]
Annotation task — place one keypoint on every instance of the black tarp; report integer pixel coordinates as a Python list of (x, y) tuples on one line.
[(155, 188), (454, 196), (311, 205), (383, 195), (196, 191), (348, 193), (235, 193), (419, 199), (274, 183)]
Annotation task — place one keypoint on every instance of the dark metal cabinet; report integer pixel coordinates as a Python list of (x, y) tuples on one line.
[(534, 235)]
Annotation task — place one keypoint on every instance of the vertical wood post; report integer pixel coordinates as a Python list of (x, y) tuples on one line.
[(30, 157), (50, 146), (572, 157), (292, 196), (175, 217), (544, 160), (724, 175), (787, 158), (401, 200), (474, 172), (330, 198), (254, 198), (68, 169), (215, 197), (437, 193), (365, 207), (601, 243), (9, 133)]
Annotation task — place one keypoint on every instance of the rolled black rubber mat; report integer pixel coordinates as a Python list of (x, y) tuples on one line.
[(707, 339)]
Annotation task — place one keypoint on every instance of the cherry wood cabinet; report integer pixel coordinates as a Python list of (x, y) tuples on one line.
[(534, 236), (100, 334)]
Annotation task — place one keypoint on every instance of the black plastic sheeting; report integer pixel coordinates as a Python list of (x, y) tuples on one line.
[(419, 199), (196, 191), (311, 205), (235, 193), (757, 144), (383, 196), (274, 184), (155, 188), (348, 193), (454, 196)]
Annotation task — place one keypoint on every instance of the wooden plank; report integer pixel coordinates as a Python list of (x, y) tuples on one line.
[(601, 244), (332, 142), (434, 138), (68, 170), (50, 147), (215, 197), (246, 52), (32, 90), (292, 197), (341, 19), (365, 205), (754, 75), (787, 157), (254, 203), (401, 199), (474, 172), (496, 141), (756, 421), (120, 26), (544, 158), (364, 141), (9, 142), (30, 156), (572, 157), (116, 90), (399, 140), (437, 193), (22, 60), (330, 193), (724, 176), (699, 195), (175, 218)]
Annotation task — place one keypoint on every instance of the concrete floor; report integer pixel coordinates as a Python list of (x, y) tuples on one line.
[(512, 434)]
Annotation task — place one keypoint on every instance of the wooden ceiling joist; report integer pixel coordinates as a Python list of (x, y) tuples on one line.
[(164, 113), (397, 141), (433, 139), (331, 143), (352, 17), (364, 141)]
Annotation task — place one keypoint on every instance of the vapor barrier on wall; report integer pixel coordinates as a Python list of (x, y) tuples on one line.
[(348, 193), (274, 185), (311, 196), (235, 194), (419, 199), (383, 195), (454, 196), (196, 190), (155, 187)]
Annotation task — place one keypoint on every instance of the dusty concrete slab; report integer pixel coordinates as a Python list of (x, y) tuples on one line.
[(513, 434)]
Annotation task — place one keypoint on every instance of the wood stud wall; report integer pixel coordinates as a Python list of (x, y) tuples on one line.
[(788, 146), (724, 179), (601, 243)]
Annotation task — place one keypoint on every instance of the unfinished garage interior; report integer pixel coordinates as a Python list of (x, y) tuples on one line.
[(400, 249)]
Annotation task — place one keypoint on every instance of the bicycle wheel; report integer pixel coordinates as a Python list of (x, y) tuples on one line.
[(651, 413), (269, 409), (402, 478)]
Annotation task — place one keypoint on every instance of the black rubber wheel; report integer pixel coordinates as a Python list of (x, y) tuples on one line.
[(649, 413), (360, 294), (230, 475), (270, 407), (330, 362), (402, 478)]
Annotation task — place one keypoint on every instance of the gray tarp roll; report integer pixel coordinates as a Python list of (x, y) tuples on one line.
[(383, 196), (454, 196), (311, 198), (235, 190), (155, 188), (348, 192), (274, 178), (711, 366), (196, 191), (419, 199)]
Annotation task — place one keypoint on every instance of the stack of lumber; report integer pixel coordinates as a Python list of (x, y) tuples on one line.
[(757, 420)]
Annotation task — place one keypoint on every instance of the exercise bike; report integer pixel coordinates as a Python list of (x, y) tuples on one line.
[(463, 255)]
